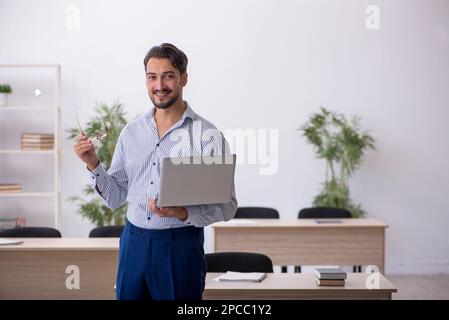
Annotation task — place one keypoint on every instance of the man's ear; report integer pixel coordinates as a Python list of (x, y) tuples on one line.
[(184, 79)]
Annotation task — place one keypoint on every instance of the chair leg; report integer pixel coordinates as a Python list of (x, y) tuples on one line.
[(297, 269), (357, 269), (284, 269)]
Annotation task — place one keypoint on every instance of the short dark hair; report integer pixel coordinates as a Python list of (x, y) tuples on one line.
[(166, 50)]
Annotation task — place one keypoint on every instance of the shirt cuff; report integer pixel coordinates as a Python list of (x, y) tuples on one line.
[(97, 176), (193, 215)]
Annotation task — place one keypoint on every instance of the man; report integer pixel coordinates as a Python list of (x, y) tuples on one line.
[(161, 249)]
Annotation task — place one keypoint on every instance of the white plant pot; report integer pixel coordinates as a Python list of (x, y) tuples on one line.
[(3, 99)]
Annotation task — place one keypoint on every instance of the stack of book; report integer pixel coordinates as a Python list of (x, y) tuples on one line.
[(9, 223), (10, 187), (330, 276), (37, 141)]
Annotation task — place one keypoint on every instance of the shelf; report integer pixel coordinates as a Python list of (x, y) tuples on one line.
[(51, 110), (27, 194), (12, 151), (26, 108)]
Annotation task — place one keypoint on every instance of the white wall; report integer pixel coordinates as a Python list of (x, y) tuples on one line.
[(270, 64)]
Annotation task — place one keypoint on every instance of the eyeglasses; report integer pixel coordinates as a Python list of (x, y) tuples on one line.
[(100, 135)]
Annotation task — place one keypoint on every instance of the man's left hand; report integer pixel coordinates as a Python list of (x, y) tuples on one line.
[(172, 212)]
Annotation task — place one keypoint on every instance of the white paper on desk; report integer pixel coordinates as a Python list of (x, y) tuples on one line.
[(5, 242), (240, 221), (242, 276)]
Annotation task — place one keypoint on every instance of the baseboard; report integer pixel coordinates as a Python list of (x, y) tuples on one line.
[(417, 267)]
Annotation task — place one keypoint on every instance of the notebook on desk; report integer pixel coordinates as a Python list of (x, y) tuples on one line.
[(328, 221), (242, 276), (7, 242)]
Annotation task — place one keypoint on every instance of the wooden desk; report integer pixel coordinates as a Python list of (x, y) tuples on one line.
[(36, 270), (297, 286), (306, 242)]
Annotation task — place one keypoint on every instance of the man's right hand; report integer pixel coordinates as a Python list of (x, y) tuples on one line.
[(86, 151)]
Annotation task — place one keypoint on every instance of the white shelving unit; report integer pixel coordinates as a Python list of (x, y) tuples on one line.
[(55, 153)]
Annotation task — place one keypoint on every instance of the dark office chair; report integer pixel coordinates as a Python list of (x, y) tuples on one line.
[(106, 232), (30, 232), (238, 262), (325, 213), (256, 213)]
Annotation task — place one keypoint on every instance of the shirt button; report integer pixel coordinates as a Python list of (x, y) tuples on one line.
[(98, 175), (157, 145), (151, 182), (149, 218), (154, 163)]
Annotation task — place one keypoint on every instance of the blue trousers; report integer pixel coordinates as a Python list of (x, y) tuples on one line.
[(164, 264)]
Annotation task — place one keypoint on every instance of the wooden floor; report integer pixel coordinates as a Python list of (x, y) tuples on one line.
[(420, 287)]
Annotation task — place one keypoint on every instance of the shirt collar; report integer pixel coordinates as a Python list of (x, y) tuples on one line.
[(188, 114)]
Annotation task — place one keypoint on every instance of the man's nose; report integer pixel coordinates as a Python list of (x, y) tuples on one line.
[(159, 84)]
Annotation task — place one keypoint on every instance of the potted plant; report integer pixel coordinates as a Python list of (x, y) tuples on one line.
[(5, 89), (342, 145), (113, 118)]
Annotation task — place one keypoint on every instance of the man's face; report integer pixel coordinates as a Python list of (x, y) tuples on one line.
[(164, 82)]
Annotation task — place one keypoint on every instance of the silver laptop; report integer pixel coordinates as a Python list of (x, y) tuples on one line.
[(196, 180)]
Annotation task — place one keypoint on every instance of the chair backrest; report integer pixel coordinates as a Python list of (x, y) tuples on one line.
[(323, 212), (238, 262), (30, 232), (256, 213), (106, 232)]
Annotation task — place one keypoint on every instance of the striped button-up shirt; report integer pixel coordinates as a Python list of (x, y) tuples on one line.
[(135, 169)]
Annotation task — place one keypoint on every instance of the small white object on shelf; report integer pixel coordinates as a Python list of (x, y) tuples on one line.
[(36, 100)]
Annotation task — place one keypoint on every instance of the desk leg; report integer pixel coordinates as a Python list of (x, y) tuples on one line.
[(382, 267)]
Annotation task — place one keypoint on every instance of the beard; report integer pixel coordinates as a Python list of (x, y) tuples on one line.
[(165, 105)]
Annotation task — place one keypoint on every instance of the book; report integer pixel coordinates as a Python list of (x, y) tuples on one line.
[(9, 223), (325, 282), (330, 273), (35, 145), (28, 138), (36, 148), (36, 138), (242, 276), (29, 141), (10, 186), (10, 190), (37, 135), (330, 221)]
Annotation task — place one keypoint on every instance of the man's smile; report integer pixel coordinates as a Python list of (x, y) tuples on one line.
[(162, 94)]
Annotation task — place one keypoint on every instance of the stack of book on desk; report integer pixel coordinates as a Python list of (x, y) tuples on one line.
[(10, 187), (330, 276), (37, 141)]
